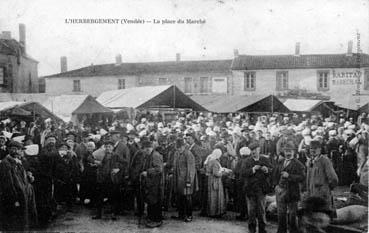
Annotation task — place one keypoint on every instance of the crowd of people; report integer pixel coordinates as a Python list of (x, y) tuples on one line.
[(198, 162)]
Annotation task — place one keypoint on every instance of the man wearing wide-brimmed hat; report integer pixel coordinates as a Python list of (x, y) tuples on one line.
[(321, 178)]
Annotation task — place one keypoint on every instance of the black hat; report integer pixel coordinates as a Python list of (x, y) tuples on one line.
[(115, 132), (191, 135), (314, 205), (50, 135), (133, 132), (15, 144), (71, 133), (179, 143), (146, 144), (109, 142), (314, 144), (290, 145), (60, 144), (224, 134), (85, 134), (254, 145)]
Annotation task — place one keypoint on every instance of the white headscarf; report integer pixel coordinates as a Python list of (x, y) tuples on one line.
[(214, 155)]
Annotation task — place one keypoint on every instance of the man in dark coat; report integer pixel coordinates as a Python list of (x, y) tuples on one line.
[(44, 180), (240, 197), (109, 179), (17, 200), (256, 171), (66, 172), (3, 149), (135, 169), (152, 175), (185, 180), (289, 174), (124, 155), (200, 156)]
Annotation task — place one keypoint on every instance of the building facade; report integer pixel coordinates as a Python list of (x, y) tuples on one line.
[(344, 78), (192, 77), (18, 71)]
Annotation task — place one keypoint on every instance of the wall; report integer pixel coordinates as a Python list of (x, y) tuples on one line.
[(89, 85), (96, 85), (178, 79), (303, 79), (27, 81), (17, 75)]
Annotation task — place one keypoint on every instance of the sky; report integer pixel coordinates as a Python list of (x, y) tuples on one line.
[(254, 27)]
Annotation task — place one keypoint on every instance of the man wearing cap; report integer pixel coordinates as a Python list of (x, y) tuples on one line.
[(321, 178), (287, 135), (255, 172), (240, 195), (289, 174), (152, 174), (185, 180), (200, 157), (18, 207)]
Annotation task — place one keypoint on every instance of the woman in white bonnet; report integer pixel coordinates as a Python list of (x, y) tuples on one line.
[(216, 202)]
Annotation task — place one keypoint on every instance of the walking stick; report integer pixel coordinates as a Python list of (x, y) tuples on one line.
[(139, 201)]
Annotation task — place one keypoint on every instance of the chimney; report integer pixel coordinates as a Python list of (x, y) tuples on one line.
[(118, 60), (178, 57), (297, 49), (349, 48), (6, 35), (235, 52), (22, 35), (63, 64)]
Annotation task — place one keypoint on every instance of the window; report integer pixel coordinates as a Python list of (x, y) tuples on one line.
[(249, 81), (2, 75), (282, 80), (188, 85), (323, 84), (163, 81), (76, 85), (366, 79), (121, 83), (204, 85)]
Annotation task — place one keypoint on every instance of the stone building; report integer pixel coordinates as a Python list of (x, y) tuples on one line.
[(192, 77), (344, 78), (18, 70)]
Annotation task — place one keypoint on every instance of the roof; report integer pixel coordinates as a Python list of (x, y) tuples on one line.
[(148, 68), (167, 96), (241, 103), (302, 105), (364, 108), (13, 47), (30, 107), (64, 106), (250, 62), (8, 105)]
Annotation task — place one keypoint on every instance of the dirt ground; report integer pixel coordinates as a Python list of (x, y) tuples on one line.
[(80, 221)]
